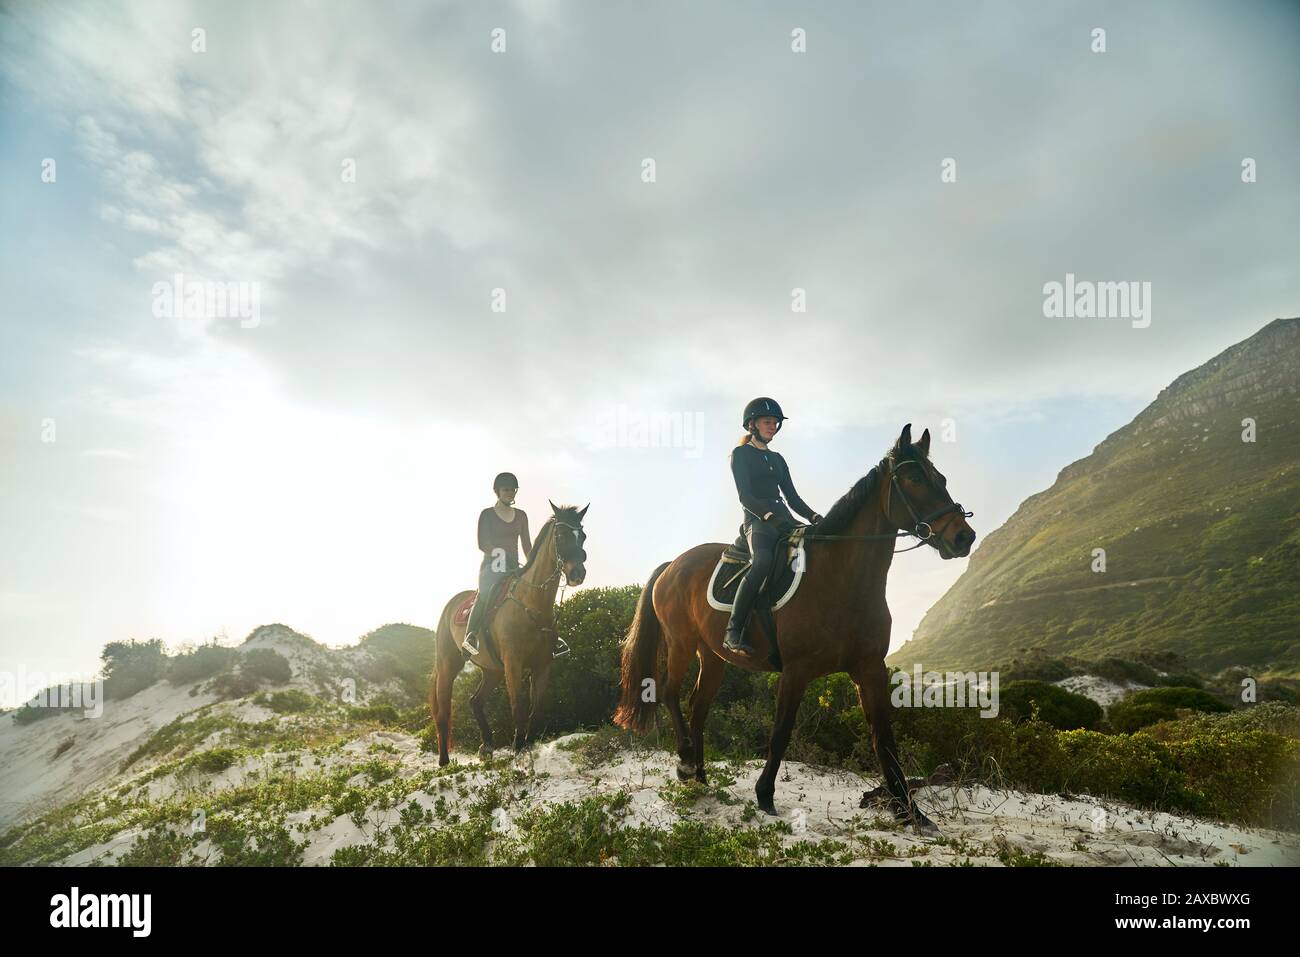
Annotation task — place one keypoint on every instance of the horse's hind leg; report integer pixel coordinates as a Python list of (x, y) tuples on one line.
[(445, 679), (679, 659), (490, 681), (706, 689), (789, 693), (873, 689)]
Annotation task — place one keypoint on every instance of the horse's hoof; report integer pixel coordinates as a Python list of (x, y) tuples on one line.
[(485, 753), (926, 827), (766, 804), (685, 772), (916, 817), (700, 776), (443, 760)]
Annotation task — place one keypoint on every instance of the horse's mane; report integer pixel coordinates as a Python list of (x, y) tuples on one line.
[(851, 502), (543, 533), (842, 512)]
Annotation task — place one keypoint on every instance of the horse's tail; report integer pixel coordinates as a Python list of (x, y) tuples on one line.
[(443, 644), (640, 661)]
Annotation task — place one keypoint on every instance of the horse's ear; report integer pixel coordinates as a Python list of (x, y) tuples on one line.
[(582, 513), (553, 508), (904, 437), (924, 444)]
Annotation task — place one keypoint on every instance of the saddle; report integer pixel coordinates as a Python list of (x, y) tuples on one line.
[(735, 561)]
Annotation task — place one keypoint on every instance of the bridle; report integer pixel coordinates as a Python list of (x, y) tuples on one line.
[(541, 625), (922, 528), (919, 523)]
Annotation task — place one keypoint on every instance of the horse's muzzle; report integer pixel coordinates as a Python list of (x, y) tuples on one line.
[(961, 543)]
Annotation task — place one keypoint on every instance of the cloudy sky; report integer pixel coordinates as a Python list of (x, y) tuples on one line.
[(383, 178)]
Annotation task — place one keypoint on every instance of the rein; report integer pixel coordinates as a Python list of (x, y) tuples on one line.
[(542, 625), (918, 522)]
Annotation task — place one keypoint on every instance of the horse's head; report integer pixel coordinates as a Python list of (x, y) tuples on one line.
[(917, 498), (569, 537)]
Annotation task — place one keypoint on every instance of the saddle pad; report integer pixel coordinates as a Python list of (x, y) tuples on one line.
[(460, 617), (727, 574)]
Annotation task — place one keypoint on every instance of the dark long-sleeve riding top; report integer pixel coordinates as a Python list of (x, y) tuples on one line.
[(761, 478)]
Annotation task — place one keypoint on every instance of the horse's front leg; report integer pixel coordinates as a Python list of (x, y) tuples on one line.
[(518, 700), (541, 678), (873, 690), (789, 692)]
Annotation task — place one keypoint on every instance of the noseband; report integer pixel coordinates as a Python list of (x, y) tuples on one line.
[(918, 522)]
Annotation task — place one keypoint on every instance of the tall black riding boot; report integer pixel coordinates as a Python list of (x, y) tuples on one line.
[(746, 594)]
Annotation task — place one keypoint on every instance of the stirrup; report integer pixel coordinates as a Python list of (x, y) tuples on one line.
[(742, 645), (562, 647), (470, 644)]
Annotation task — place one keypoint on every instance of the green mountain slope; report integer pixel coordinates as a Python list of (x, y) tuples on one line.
[(1201, 532)]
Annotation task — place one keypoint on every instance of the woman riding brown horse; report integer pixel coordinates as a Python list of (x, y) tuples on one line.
[(522, 630), (837, 621)]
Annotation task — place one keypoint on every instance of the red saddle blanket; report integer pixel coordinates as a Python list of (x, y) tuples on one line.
[(460, 616)]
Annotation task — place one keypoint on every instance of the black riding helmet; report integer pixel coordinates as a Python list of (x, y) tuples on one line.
[(505, 480), (760, 407)]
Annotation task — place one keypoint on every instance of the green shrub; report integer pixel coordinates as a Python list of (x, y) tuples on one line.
[(234, 684), (399, 652), (158, 847), (290, 701), (584, 685), (213, 761), (1133, 768), (1035, 667), (253, 842), (252, 669), (381, 713), (1273, 716), (268, 664), (1181, 680), (131, 666), (1251, 776), (203, 662), (1122, 670), (1144, 708), (1063, 710), (29, 713)]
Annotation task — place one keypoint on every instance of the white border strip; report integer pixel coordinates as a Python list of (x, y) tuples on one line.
[(800, 560)]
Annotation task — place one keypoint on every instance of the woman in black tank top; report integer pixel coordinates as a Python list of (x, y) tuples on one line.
[(502, 529)]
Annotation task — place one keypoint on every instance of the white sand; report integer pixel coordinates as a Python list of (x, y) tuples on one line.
[(1101, 690), (976, 822), (35, 782)]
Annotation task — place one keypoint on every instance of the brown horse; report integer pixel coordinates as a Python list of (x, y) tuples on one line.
[(522, 630), (837, 621)]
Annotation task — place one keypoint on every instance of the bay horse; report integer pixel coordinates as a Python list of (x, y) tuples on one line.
[(837, 621), (522, 630)]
